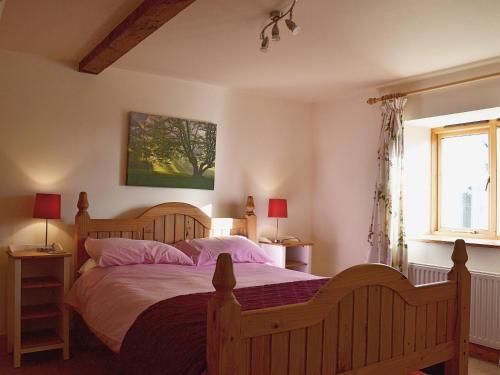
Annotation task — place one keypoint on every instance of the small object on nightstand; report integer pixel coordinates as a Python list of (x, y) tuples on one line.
[(265, 240), (37, 319), (292, 254), (290, 240), (55, 248)]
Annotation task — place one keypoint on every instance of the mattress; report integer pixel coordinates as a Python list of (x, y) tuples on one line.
[(110, 299)]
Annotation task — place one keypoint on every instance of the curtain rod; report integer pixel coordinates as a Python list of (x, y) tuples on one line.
[(432, 88)]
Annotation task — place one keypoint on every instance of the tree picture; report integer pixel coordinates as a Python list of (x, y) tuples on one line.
[(171, 152)]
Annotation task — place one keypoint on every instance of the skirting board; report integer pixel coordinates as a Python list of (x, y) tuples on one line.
[(484, 353)]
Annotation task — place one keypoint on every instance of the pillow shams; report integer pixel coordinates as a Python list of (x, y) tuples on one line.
[(108, 252), (204, 251)]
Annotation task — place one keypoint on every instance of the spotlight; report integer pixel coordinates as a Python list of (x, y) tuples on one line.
[(265, 44), (275, 33), (292, 26)]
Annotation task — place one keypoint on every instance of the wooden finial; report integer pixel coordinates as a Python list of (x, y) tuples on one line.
[(224, 280), (459, 255), (83, 203), (223, 322), (250, 207), (251, 220)]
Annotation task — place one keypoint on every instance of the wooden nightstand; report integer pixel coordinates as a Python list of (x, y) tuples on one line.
[(294, 256), (37, 319)]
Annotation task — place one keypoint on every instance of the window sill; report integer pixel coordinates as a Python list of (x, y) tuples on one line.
[(436, 238)]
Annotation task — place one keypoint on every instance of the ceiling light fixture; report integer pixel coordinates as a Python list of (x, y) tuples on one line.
[(276, 16)]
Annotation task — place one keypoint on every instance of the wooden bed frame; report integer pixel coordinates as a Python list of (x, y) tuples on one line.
[(369, 319), (167, 222)]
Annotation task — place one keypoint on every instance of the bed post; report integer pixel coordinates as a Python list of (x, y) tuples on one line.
[(82, 220), (460, 274), (251, 219), (223, 321)]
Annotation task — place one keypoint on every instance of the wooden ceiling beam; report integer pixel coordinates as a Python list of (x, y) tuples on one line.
[(142, 22)]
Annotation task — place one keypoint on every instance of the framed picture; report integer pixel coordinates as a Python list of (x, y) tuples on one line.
[(170, 152)]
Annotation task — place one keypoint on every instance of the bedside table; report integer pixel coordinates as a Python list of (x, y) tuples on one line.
[(295, 256), (37, 319)]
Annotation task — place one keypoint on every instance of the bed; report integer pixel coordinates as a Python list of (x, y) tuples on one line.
[(369, 319)]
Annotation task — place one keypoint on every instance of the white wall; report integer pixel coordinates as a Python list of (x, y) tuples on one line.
[(64, 132), (346, 139), (417, 180)]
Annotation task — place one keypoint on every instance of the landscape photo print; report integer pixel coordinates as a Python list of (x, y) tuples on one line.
[(171, 152)]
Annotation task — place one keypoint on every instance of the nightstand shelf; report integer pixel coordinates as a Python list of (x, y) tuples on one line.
[(292, 255), (45, 311), (40, 282), (37, 319), (40, 341), (294, 264)]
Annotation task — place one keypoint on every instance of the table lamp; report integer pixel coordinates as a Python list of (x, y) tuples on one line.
[(47, 206), (277, 208)]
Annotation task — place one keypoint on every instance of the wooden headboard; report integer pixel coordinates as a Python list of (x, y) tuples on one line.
[(167, 223)]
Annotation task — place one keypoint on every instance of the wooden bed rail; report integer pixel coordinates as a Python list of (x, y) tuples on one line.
[(368, 319)]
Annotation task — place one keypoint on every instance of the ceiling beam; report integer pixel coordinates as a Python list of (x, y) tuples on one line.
[(142, 22)]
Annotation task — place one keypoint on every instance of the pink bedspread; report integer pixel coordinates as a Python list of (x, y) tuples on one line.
[(169, 338), (110, 299)]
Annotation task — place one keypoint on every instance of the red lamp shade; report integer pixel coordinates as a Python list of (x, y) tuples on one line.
[(277, 208), (47, 206)]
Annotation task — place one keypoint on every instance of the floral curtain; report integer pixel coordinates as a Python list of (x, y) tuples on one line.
[(387, 235)]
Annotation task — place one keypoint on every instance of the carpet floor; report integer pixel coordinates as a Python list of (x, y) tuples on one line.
[(100, 361), (82, 362)]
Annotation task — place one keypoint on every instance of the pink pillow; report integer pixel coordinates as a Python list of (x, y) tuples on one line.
[(123, 251), (204, 251)]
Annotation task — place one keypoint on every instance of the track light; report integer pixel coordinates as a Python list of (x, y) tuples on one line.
[(275, 33), (275, 17), (292, 26), (265, 44)]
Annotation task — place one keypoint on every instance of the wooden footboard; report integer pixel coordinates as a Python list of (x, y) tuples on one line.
[(368, 319)]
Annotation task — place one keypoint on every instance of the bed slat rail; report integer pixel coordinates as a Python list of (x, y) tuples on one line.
[(367, 320), (166, 228)]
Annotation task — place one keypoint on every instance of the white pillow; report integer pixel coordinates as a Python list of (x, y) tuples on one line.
[(87, 266)]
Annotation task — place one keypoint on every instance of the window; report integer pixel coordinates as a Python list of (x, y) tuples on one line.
[(464, 183)]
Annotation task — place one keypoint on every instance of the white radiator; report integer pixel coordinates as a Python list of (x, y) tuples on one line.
[(485, 301)]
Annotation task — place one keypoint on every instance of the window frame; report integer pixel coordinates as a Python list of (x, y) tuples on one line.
[(437, 134)]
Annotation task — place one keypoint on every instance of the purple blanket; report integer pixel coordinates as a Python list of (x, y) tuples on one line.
[(170, 336)]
